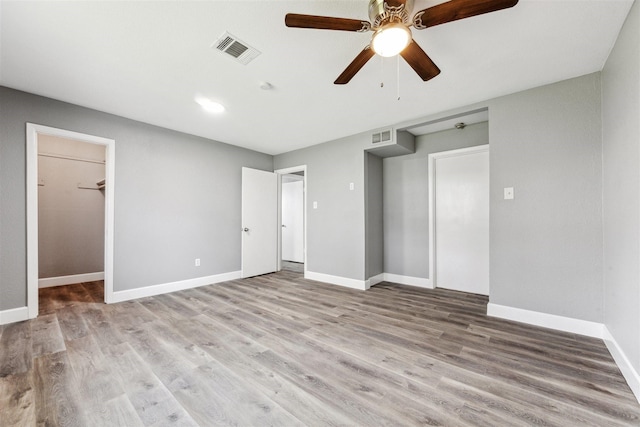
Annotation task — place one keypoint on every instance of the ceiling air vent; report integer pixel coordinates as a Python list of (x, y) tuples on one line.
[(237, 49)]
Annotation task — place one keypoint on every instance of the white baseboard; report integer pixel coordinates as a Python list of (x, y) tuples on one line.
[(628, 372), (48, 282), (408, 280), (336, 280), (372, 281), (14, 315), (576, 326), (165, 288), (552, 321)]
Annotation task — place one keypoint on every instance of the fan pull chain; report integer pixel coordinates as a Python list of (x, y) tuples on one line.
[(381, 72), (398, 74)]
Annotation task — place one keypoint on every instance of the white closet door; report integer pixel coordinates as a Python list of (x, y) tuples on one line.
[(462, 222)]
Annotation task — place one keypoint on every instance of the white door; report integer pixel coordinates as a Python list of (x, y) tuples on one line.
[(292, 218), (259, 222), (462, 222)]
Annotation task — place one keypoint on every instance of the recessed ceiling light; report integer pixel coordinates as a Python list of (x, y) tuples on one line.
[(209, 105)]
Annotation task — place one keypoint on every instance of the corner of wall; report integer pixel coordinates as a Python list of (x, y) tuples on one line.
[(626, 367)]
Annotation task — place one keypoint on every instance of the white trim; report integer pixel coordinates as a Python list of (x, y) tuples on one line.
[(372, 281), (165, 288), (336, 280), (628, 372), (48, 282), (32, 220), (14, 315), (109, 219), (408, 280), (432, 202), (293, 169), (552, 321), (286, 171), (32, 207)]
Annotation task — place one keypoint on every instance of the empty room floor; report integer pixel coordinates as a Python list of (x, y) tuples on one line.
[(281, 350)]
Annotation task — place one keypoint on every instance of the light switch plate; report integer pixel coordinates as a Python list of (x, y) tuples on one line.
[(508, 193), (315, 205)]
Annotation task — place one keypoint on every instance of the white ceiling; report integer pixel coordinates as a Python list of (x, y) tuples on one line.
[(147, 60)]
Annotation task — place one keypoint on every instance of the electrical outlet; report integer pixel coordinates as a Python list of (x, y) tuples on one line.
[(351, 186), (197, 262)]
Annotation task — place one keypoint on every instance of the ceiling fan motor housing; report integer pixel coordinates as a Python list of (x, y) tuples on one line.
[(381, 13)]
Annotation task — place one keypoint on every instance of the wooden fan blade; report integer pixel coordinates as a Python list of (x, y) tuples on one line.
[(420, 61), (355, 66), (325, 23), (457, 9)]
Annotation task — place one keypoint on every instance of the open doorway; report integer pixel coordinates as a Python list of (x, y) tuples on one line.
[(292, 239), (71, 176), (68, 172)]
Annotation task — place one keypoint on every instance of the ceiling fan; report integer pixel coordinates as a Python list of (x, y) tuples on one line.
[(390, 21)]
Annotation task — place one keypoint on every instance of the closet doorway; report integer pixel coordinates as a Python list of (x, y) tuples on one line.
[(292, 215), (69, 213)]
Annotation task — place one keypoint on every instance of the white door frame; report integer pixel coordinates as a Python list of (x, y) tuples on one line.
[(33, 130), (432, 200), (286, 171)]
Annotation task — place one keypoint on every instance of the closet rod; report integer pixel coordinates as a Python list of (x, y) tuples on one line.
[(77, 159)]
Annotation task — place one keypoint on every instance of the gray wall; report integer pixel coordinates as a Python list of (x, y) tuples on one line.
[(336, 230), (177, 197), (374, 223), (621, 192), (70, 219), (546, 244), (406, 199)]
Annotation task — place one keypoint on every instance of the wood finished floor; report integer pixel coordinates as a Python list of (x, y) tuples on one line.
[(282, 350), (296, 267)]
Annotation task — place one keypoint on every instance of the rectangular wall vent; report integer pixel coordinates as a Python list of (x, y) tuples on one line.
[(237, 49), (383, 136)]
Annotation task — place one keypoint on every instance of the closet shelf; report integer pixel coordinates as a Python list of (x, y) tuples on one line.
[(100, 185)]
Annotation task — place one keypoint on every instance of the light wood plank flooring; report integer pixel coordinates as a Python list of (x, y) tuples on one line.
[(296, 267), (281, 350)]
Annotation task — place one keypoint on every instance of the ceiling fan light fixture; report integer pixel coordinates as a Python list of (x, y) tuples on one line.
[(391, 39)]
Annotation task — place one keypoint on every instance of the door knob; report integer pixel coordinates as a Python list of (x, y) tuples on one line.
[(245, 229)]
